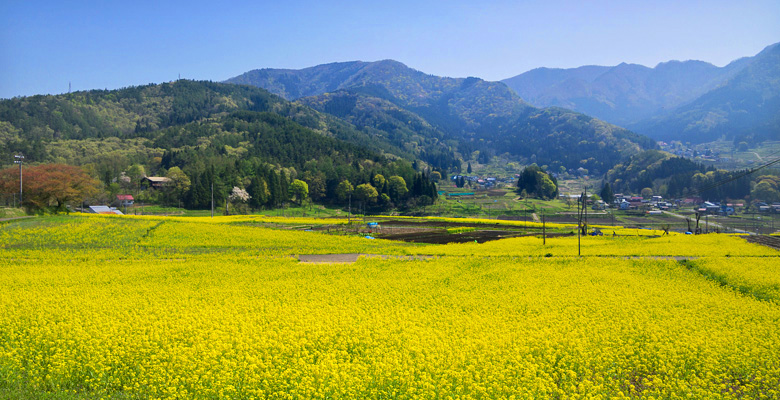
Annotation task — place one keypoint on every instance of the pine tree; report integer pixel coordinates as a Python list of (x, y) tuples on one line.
[(606, 194)]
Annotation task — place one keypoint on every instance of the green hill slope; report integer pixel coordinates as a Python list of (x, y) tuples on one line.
[(468, 114), (228, 134)]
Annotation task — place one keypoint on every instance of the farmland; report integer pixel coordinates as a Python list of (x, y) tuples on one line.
[(187, 307)]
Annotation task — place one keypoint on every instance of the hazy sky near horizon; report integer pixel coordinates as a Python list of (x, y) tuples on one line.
[(105, 44)]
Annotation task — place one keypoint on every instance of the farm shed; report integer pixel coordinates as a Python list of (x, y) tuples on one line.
[(103, 210)]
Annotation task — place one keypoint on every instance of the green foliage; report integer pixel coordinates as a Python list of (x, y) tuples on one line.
[(537, 183), (767, 189), (421, 113), (606, 193), (397, 188), (366, 193), (677, 177), (299, 190), (344, 190), (209, 133)]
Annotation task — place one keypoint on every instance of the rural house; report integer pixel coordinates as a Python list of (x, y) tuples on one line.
[(156, 182)]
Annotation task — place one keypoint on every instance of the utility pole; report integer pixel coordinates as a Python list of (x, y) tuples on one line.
[(544, 230), (212, 199), (579, 226), (585, 204), (19, 159)]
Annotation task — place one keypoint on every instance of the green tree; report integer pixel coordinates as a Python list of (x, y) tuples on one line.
[(317, 185), (366, 193), (385, 201), (344, 190), (299, 191), (180, 183), (537, 183), (767, 189), (547, 189), (606, 193), (258, 189), (647, 193), (397, 188), (379, 181), (136, 172)]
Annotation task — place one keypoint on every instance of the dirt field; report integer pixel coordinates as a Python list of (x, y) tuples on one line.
[(443, 237)]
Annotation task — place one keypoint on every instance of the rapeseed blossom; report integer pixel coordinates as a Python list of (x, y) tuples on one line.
[(166, 308)]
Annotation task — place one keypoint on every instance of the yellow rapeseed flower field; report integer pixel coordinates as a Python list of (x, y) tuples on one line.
[(182, 308)]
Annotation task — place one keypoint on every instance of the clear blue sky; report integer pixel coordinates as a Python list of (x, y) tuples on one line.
[(111, 44)]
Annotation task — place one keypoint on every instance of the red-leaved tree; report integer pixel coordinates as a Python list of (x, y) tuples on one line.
[(49, 186)]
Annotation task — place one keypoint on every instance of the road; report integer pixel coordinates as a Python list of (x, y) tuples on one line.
[(711, 224)]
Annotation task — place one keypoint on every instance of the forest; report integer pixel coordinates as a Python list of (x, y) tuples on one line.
[(234, 137)]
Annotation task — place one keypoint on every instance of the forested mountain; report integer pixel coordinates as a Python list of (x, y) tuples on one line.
[(227, 134), (746, 107), (135, 111), (382, 119), (624, 94), (442, 115), (676, 177)]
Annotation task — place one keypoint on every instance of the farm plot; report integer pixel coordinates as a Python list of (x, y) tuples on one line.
[(234, 315)]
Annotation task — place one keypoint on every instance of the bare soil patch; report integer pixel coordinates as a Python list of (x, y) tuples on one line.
[(769, 241), (447, 224), (443, 237)]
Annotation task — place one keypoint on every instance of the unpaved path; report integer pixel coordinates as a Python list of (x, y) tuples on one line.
[(350, 257), (13, 218)]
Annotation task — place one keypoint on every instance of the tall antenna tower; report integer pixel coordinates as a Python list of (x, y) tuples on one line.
[(68, 86)]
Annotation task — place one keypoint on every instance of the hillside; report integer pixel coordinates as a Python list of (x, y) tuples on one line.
[(745, 107), (674, 177), (28, 122), (381, 118), (228, 134), (472, 116)]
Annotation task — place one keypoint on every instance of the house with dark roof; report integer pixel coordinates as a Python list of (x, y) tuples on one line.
[(156, 182)]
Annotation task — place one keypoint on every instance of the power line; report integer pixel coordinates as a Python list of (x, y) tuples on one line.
[(738, 176)]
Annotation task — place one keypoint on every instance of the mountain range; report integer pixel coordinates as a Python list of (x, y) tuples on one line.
[(439, 116), (371, 116), (677, 100)]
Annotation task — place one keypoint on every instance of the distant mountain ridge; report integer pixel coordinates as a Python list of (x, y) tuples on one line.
[(623, 94), (659, 101), (746, 107), (464, 115)]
